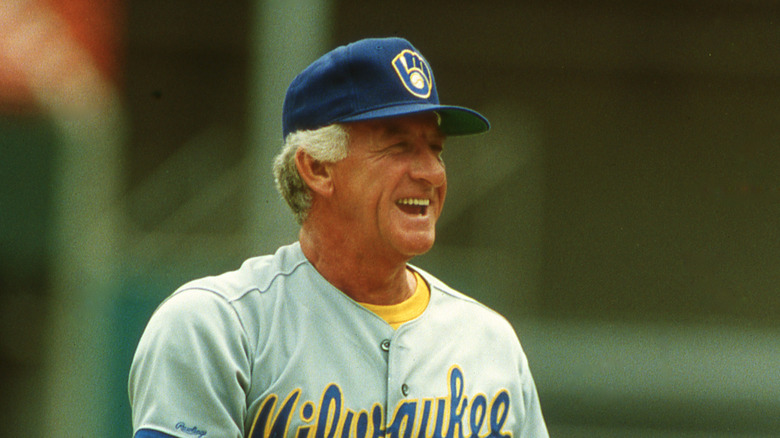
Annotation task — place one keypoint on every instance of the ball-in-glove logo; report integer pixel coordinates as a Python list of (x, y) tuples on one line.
[(414, 73)]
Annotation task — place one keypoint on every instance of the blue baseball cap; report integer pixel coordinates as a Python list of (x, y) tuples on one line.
[(371, 79)]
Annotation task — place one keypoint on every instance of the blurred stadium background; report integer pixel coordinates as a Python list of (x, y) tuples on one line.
[(623, 213)]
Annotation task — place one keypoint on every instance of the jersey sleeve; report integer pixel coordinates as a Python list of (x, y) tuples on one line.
[(533, 425), (191, 370)]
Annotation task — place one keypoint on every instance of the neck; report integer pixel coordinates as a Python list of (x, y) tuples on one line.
[(364, 277)]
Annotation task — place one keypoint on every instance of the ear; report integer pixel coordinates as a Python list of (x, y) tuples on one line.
[(315, 173)]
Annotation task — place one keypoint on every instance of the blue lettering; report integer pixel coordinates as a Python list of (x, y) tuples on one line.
[(303, 431), (379, 421), (499, 411), (330, 407), (403, 420), (347, 424), (307, 416), (412, 418), (457, 403), (361, 425), (190, 430), (426, 412), (441, 408), (280, 423), (477, 414)]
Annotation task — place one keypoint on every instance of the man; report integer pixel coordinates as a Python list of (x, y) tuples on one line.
[(337, 335)]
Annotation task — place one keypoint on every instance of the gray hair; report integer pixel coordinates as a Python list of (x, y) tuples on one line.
[(328, 144)]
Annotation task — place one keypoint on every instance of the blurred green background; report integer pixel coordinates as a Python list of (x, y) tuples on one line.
[(622, 213)]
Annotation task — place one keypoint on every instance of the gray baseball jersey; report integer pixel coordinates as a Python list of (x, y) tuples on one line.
[(273, 349)]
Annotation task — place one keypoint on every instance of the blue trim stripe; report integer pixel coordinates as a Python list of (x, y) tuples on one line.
[(147, 433)]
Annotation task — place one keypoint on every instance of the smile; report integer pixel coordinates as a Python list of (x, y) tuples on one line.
[(414, 205)]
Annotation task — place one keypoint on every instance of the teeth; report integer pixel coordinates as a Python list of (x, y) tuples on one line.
[(415, 201)]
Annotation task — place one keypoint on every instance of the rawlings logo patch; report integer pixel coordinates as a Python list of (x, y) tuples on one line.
[(190, 430), (414, 73)]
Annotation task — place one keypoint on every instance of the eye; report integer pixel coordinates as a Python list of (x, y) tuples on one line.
[(399, 147), (439, 150)]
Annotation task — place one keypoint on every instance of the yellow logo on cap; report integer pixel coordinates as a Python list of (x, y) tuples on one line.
[(414, 73)]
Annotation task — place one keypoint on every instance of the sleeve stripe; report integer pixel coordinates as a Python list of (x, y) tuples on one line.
[(148, 433)]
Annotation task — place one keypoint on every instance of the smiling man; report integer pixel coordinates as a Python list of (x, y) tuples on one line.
[(337, 334)]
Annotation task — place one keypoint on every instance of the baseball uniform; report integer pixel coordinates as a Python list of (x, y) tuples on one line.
[(273, 349)]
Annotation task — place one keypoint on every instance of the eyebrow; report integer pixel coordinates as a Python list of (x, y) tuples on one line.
[(392, 129)]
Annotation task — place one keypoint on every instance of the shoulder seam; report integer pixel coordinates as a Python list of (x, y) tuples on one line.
[(271, 281), (231, 301), (260, 288)]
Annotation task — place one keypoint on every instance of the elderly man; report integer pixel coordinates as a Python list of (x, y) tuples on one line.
[(337, 334)]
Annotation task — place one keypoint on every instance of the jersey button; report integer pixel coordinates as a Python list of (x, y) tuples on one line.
[(405, 389), (385, 345)]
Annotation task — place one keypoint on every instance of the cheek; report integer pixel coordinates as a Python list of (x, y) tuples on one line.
[(442, 195), (364, 198)]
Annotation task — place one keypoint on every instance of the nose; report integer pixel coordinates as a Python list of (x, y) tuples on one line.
[(428, 166)]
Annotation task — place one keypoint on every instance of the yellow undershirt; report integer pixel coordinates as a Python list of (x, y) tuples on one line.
[(397, 314)]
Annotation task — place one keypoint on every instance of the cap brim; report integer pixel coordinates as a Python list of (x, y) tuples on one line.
[(455, 120)]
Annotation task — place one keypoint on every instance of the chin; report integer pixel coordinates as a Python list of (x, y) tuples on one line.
[(417, 246)]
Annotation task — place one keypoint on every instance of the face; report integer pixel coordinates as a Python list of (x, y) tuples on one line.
[(389, 191)]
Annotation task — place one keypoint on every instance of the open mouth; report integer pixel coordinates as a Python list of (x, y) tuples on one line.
[(414, 205)]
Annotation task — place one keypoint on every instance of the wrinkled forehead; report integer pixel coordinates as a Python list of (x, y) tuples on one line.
[(423, 124)]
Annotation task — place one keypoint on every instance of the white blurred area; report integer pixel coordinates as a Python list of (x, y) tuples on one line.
[(622, 213)]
